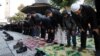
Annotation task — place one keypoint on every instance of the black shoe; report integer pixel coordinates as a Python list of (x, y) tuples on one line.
[(22, 49), (48, 41), (18, 45), (9, 38), (4, 32), (81, 49), (55, 43), (74, 47), (61, 44), (67, 45), (51, 41), (6, 35)]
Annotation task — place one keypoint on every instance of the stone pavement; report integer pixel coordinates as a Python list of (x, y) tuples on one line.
[(6, 47)]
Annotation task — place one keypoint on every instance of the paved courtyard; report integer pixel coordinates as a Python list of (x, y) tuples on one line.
[(6, 47)]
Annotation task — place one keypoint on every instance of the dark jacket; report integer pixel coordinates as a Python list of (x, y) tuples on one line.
[(45, 22), (88, 15), (69, 23), (53, 23), (36, 20), (32, 21), (97, 5), (26, 22), (49, 22)]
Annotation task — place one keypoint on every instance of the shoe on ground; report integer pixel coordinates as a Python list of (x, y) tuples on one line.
[(61, 44), (81, 49), (18, 45), (9, 38), (55, 43), (48, 41), (67, 45), (74, 47), (22, 49)]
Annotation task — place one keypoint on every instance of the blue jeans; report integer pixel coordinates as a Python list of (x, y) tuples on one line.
[(36, 31), (69, 35)]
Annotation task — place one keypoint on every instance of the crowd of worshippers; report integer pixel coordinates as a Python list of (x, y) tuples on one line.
[(80, 19), (36, 24)]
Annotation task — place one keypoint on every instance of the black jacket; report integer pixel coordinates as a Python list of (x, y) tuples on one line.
[(45, 22), (97, 5), (53, 23), (32, 21), (49, 22), (68, 23), (88, 15)]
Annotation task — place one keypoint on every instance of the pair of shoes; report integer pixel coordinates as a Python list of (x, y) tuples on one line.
[(22, 49), (18, 45), (9, 38)]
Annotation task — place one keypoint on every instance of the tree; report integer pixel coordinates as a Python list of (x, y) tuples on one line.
[(18, 16), (89, 2), (21, 7), (62, 3)]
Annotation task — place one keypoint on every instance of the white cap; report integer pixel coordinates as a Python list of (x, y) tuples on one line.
[(75, 7)]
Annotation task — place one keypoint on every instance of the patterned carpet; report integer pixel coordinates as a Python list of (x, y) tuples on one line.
[(56, 50)]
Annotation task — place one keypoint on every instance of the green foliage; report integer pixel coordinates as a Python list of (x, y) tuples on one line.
[(62, 3), (17, 17), (89, 2)]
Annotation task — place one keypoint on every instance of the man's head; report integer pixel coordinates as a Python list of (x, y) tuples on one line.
[(48, 13), (65, 13), (76, 8), (33, 13), (28, 15)]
